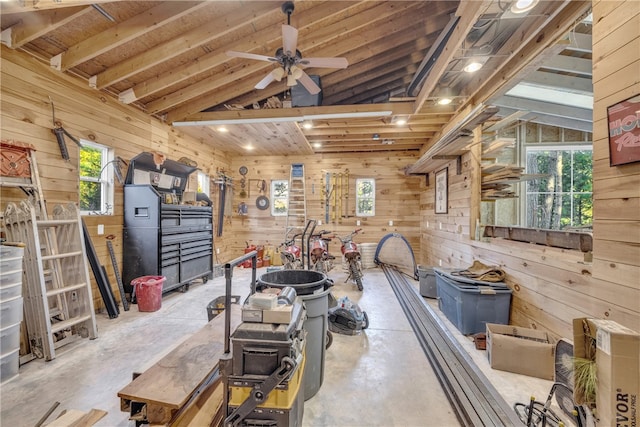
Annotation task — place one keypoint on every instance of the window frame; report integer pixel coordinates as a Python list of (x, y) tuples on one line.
[(359, 197), (537, 147), (105, 179)]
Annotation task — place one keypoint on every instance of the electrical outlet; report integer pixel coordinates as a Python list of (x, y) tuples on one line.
[(358, 223), (100, 229), (440, 263), (390, 223), (319, 222), (217, 251)]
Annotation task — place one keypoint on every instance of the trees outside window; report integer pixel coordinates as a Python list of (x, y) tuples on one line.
[(365, 197), (562, 198), (96, 179)]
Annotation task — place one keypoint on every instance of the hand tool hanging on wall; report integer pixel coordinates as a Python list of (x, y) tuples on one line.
[(222, 185), (340, 195), (346, 194), (116, 272), (60, 132)]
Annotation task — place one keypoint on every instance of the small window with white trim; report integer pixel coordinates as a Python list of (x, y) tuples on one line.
[(96, 179), (365, 197)]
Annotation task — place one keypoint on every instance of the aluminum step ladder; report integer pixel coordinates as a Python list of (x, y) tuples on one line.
[(58, 300), (297, 202)]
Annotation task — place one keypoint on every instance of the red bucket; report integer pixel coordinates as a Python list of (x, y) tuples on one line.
[(148, 292)]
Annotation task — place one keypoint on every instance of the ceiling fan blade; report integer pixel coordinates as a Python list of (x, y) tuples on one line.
[(289, 39), (234, 54), (265, 82), (324, 62), (309, 84)]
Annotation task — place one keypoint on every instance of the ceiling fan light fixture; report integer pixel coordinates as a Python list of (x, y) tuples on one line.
[(296, 72), (522, 6), (291, 81), (278, 73)]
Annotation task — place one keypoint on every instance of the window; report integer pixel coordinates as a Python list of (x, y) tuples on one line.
[(203, 183), (365, 197), (279, 197), (563, 197), (96, 179)]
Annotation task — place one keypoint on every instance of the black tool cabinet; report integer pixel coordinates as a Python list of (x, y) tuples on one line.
[(162, 237)]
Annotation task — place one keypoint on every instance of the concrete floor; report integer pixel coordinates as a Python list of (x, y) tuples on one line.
[(380, 377)]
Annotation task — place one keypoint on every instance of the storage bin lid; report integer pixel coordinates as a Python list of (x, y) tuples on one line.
[(449, 273)]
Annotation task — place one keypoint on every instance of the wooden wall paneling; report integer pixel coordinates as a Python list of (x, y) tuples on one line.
[(85, 113)]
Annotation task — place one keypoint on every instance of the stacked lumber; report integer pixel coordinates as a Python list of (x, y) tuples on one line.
[(183, 388), (498, 180)]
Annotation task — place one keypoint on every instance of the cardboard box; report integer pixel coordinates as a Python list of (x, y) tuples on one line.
[(617, 355), (280, 314), (521, 350)]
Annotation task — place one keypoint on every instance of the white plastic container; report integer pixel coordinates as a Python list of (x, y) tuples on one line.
[(9, 339), (11, 311), (9, 365), (10, 258), (10, 291)]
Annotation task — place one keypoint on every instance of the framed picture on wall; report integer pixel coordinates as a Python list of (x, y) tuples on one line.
[(623, 120), (442, 191)]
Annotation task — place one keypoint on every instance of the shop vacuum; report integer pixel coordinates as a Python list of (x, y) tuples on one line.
[(263, 370)]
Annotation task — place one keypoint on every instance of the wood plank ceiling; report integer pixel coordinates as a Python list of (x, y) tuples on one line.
[(169, 59)]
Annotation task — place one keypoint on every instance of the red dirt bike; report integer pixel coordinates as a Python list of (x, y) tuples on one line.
[(352, 255), (319, 257), (291, 254)]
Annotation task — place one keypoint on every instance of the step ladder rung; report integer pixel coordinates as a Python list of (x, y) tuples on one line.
[(64, 289), (60, 256), (55, 222), (59, 326)]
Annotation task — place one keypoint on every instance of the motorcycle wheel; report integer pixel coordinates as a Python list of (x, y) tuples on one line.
[(355, 274)]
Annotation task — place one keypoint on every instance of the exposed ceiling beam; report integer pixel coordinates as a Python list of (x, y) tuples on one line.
[(544, 119), (123, 32), (561, 82), (21, 6), (228, 18), (469, 11), (543, 107), (569, 64), (557, 24), (34, 25)]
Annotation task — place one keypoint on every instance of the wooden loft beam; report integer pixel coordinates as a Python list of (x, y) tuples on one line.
[(274, 113), (469, 11), (122, 33), (34, 25)]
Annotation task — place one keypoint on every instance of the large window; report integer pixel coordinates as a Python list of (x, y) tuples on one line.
[(279, 197), (365, 197), (96, 179), (562, 197)]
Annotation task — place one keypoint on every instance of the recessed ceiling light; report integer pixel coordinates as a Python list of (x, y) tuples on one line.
[(400, 121), (444, 101), (307, 125), (317, 145), (472, 67), (522, 6), (249, 147), (222, 129)]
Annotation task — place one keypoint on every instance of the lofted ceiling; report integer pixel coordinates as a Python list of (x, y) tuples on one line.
[(169, 59)]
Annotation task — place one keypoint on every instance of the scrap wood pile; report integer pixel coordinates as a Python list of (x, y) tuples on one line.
[(184, 387), (71, 417)]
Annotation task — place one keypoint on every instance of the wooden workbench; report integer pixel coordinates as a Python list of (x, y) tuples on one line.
[(167, 386)]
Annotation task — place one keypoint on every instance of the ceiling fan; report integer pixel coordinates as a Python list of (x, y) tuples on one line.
[(290, 59)]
